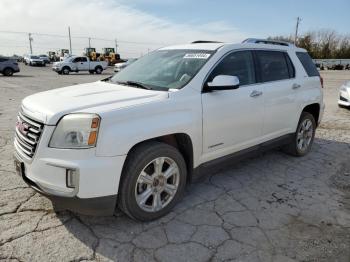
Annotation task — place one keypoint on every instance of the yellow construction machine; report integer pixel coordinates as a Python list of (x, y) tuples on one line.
[(91, 53), (109, 55)]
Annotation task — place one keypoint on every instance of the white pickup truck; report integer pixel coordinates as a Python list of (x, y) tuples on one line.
[(77, 64)]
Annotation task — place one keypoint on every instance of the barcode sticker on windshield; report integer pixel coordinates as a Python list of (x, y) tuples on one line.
[(197, 56)]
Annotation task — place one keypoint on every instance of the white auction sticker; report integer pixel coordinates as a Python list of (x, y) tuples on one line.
[(197, 56)]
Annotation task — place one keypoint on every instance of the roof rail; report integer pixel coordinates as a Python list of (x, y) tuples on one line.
[(266, 41), (204, 42)]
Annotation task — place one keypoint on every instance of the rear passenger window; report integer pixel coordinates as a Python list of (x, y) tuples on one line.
[(308, 64), (238, 64), (273, 66)]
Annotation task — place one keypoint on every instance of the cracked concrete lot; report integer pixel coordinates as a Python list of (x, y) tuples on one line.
[(272, 207)]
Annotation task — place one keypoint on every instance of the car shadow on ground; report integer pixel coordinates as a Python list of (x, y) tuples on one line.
[(16, 75), (81, 74), (273, 202)]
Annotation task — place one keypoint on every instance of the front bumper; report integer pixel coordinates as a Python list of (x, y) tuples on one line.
[(95, 179), (96, 206), (344, 97)]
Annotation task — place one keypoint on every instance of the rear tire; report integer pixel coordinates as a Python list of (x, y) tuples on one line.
[(98, 70), (303, 137), (153, 181), (8, 72)]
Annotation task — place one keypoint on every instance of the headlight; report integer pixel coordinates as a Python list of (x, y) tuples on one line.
[(76, 131)]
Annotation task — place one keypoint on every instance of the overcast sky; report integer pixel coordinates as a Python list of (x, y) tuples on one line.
[(144, 25)]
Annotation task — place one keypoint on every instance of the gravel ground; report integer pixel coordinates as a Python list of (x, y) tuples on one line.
[(269, 208)]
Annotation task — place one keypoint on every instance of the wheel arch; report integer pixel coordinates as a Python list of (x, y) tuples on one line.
[(181, 141), (314, 110)]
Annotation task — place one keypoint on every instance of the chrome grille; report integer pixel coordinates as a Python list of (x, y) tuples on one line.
[(28, 132)]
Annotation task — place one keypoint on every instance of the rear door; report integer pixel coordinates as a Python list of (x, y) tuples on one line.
[(232, 119), (84, 64), (81, 63), (277, 76)]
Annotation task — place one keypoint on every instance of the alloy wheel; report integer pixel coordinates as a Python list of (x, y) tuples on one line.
[(157, 184), (304, 135)]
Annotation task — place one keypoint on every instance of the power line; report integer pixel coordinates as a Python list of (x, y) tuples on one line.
[(82, 37)]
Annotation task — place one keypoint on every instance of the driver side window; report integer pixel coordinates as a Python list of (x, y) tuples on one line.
[(240, 64), (77, 60)]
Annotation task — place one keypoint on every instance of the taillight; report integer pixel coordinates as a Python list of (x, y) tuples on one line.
[(321, 79)]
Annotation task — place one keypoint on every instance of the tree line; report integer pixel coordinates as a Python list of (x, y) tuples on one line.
[(322, 44)]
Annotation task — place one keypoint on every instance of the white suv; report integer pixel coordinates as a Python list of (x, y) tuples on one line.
[(135, 139)]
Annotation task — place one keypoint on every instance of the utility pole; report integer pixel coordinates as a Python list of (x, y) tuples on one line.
[(296, 30), (70, 41), (30, 42), (116, 46), (89, 42)]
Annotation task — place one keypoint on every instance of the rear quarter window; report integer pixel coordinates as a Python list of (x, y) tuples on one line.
[(308, 64)]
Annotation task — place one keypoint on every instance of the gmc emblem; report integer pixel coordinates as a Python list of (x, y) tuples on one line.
[(22, 127)]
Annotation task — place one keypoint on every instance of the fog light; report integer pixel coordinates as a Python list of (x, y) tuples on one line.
[(70, 178)]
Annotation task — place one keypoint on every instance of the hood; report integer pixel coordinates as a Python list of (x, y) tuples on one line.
[(97, 97), (36, 59)]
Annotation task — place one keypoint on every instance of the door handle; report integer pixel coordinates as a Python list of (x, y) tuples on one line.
[(256, 93), (296, 86)]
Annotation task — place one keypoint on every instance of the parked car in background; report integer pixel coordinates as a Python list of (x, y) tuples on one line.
[(344, 95), (8, 66), (77, 64), (136, 138), (33, 60), (45, 58), (119, 66)]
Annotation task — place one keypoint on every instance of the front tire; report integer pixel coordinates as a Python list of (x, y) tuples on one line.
[(153, 181), (65, 71), (304, 136)]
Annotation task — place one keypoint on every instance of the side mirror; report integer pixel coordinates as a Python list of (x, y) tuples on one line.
[(223, 82)]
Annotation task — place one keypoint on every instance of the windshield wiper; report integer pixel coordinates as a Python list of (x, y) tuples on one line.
[(135, 84)]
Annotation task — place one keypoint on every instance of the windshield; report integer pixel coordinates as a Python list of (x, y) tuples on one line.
[(164, 69), (34, 57)]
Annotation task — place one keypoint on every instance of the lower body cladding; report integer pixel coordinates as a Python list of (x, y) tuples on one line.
[(73, 179)]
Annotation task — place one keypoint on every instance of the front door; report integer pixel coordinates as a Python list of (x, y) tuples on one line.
[(232, 119)]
